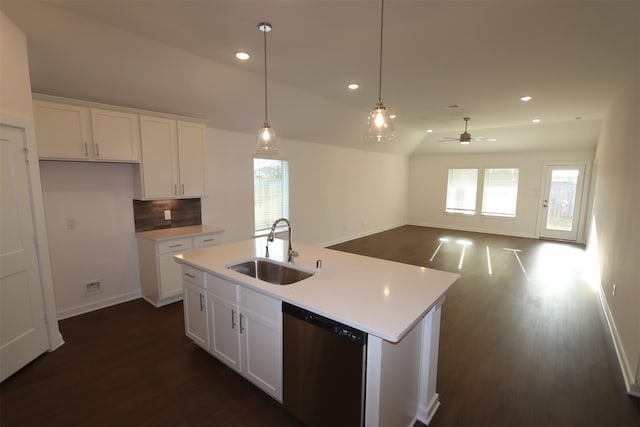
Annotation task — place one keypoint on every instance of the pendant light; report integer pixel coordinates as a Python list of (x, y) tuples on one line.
[(267, 144), (379, 126)]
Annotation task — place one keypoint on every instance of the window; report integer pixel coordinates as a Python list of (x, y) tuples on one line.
[(270, 192), (461, 191), (500, 192)]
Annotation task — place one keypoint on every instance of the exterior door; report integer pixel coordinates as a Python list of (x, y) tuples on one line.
[(23, 332), (562, 201)]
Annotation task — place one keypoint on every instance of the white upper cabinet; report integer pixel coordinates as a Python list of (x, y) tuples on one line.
[(173, 159), (116, 137), (159, 168), (76, 132), (192, 155), (62, 131)]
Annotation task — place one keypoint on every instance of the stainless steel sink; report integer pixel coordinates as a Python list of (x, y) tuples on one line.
[(269, 271)]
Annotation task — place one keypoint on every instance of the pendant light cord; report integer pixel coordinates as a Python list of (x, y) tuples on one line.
[(380, 68), (266, 117)]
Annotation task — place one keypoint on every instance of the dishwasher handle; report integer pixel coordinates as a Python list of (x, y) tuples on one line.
[(336, 328)]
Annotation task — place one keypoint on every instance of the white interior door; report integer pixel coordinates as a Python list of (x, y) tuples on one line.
[(562, 201), (23, 333)]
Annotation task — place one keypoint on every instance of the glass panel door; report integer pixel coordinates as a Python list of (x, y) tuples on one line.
[(562, 201)]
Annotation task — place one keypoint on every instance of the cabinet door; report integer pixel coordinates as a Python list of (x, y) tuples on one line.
[(158, 143), (262, 341), (192, 155), (62, 131), (170, 276), (195, 315), (224, 325), (116, 136), (262, 352)]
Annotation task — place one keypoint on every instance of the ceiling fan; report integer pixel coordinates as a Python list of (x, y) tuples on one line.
[(465, 137)]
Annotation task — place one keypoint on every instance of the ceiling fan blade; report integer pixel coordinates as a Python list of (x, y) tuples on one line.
[(449, 139)]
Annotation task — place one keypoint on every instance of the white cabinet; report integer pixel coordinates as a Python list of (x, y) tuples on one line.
[(62, 131), (160, 276), (261, 341), (116, 136), (224, 322), (195, 306), (173, 159), (75, 132), (245, 331)]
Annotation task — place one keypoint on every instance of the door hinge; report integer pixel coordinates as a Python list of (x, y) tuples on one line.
[(26, 154)]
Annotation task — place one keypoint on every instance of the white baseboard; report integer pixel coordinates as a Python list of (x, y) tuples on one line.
[(426, 413), (75, 311), (633, 388)]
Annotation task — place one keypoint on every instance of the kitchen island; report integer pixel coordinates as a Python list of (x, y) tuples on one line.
[(397, 305)]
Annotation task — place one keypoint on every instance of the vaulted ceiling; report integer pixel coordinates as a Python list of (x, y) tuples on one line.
[(442, 60)]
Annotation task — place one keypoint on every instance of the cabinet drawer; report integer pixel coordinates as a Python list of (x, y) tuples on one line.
[(176, 245), (260, 304), (205, 240), (222, 288), (193, 275)]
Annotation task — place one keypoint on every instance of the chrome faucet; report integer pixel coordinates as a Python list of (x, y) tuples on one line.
[(292, 254)]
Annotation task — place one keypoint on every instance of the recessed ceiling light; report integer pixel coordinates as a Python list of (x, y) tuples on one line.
[(536, 120), (353, 86), (242, 56), (525, 98), (429, 130)]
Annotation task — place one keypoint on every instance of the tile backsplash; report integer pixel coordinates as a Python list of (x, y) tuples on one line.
[(150, 215)]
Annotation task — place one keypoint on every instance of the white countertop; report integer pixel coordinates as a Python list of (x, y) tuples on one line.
[(177, 232), (382, 298)]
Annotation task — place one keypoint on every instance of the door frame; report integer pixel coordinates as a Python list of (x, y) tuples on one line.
[(39, 225), (584, 202)]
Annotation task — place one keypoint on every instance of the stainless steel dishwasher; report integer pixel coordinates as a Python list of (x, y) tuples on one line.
[(324, 366)]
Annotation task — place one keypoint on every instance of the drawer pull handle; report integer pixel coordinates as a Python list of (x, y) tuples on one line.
[(241, 328), (176, 245), (192, 276), (233, 319), (208, 240), (201, 302), (97, 150)]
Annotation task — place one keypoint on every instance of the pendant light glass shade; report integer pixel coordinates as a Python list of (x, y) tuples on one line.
[(266, 143), (379, 126)]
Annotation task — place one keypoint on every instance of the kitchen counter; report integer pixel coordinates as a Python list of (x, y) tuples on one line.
[(176, 232), (382, 298), (397, 305)]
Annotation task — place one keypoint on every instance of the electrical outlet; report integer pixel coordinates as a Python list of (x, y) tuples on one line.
[(613, 291), (167, 215)]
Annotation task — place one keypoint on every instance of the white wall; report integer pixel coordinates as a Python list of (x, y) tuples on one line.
[(97, 197), (428, 189), (615, 241), (335, 193)]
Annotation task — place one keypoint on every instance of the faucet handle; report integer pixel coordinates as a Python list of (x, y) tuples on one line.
[(293, 253)]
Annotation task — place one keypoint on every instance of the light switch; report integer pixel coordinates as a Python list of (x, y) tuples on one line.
[(167, 215)]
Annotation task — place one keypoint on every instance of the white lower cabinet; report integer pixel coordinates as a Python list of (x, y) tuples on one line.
[(245, 331), (195, 306), (160, 276)]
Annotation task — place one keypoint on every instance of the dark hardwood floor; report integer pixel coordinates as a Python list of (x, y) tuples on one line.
[(525, 345)]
